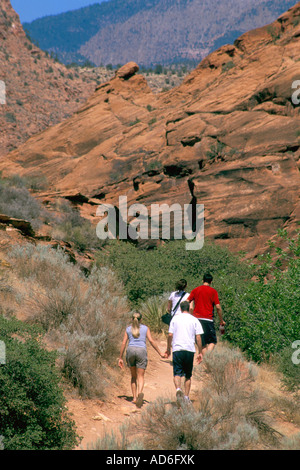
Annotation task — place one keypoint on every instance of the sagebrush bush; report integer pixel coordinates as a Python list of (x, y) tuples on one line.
[(229, 412), (17, 202), (114, 441), (47, 266), (91, 335), (84, 315), (71, 227), (229, 387), (53, 283), (189, 429)]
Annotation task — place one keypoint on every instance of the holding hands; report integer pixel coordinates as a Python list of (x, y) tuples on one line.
[(167, 354)]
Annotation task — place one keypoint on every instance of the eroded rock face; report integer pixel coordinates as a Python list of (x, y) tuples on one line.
[(40, 92), (22, 225), (228, 138)]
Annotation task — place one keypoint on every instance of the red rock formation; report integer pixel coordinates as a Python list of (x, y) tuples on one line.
[(39, 91), (229, 137)]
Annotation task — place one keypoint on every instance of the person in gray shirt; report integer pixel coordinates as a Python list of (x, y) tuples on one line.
[(136, 335)]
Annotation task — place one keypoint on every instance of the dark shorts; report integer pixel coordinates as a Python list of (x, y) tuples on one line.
[(183, 363), (209, 336), (136, 357)]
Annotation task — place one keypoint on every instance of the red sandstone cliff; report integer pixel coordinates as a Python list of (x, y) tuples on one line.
[(229, 137)]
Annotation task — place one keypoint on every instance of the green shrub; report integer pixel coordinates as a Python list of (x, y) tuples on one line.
[(32, 406), (154, 272), (83, 236), (228, 66), (263, 316), (216, 151), (289, 368), (152, 309)]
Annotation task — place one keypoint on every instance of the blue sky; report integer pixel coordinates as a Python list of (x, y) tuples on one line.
[(29, 10)]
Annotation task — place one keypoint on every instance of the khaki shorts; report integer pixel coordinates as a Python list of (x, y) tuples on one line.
[(136, 357)]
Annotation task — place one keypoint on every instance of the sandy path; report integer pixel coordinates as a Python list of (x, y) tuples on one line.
[(95, 417)]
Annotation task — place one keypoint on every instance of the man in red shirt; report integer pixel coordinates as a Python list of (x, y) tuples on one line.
[(202, 300)]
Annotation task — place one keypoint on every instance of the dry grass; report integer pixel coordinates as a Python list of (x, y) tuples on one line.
[(82, 317), (232, 411), (229, 413)]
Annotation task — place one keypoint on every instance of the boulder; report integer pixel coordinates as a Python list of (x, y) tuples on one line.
[(127, 71)]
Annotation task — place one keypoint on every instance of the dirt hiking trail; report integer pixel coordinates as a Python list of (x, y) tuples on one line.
[(95, 418)]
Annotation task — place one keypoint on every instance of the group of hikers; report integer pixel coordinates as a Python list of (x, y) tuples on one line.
[(191, 325)]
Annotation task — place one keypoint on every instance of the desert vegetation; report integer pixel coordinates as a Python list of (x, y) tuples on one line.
[(80, 316), (33, 412), (137, 35), (72, 319), (260, 301), (230, 412), (17, 201), (66, 338), (72, 228), (65, 223), (159, 78)]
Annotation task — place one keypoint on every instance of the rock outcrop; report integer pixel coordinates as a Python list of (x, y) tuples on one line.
[(22, 225), (40, 92), (228, 138)]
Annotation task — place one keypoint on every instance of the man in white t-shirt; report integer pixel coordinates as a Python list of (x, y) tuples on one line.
[(184, 331)]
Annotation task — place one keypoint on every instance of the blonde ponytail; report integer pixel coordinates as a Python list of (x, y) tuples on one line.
[(135, 325)]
